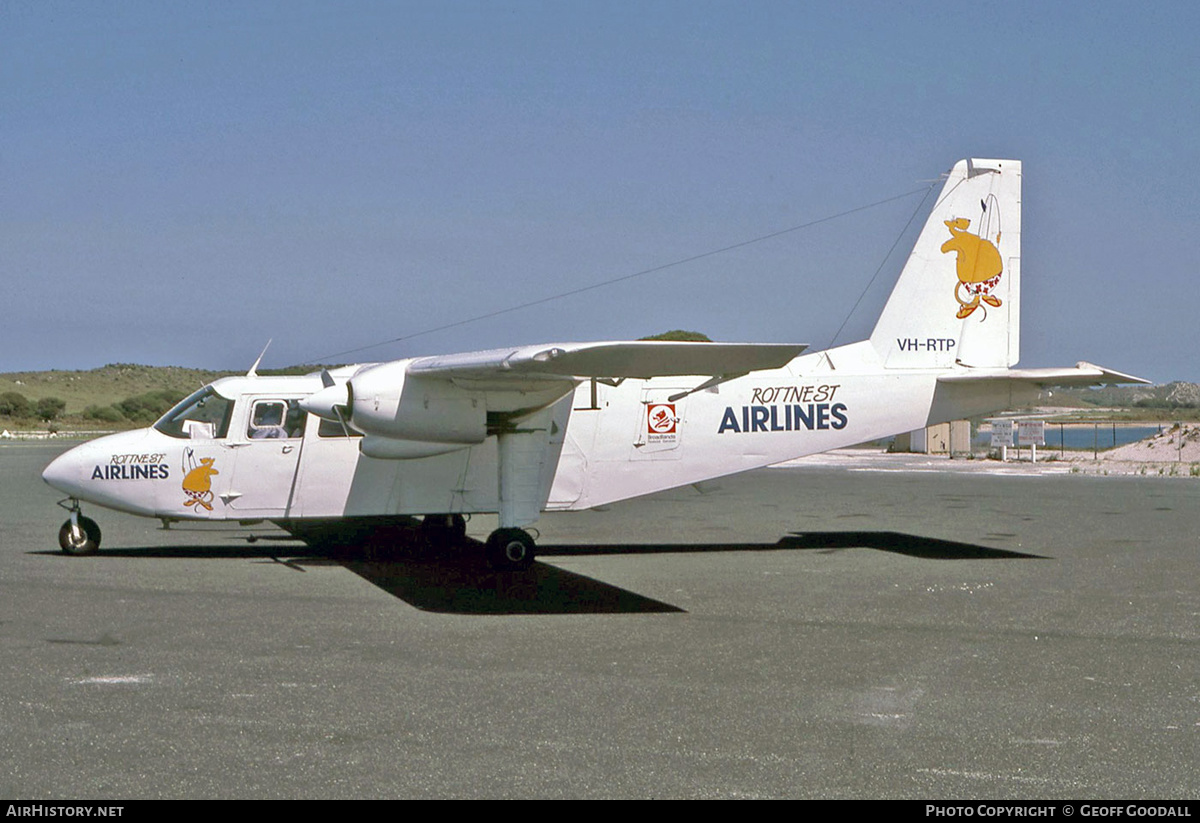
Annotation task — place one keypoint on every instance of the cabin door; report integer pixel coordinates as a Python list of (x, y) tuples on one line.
[(266, 452)]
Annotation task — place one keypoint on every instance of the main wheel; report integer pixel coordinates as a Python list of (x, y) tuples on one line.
[(85, 540), (509, 549)]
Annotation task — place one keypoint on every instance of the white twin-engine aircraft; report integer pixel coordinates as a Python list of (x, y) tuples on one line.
[(570, 426)]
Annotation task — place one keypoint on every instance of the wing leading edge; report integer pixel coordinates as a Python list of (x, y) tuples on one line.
[(529, 377), (640, 359)]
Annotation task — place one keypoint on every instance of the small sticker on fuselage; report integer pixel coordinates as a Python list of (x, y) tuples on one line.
[(661, 423)]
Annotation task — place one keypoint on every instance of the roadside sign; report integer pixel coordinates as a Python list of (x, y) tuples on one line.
[(1031, 433), (1002, 433)]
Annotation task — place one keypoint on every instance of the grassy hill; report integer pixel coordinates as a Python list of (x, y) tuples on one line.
[(1175, 401), (87, 393), (1169, 395), (105, 385)]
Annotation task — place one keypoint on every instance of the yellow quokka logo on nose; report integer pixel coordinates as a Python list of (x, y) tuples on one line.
[(978, 265), (197, 482)]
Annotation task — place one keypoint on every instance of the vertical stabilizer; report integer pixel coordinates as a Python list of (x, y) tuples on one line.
[(958, 298)]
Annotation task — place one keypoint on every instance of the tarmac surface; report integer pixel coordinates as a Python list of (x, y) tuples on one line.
[(857, 627)]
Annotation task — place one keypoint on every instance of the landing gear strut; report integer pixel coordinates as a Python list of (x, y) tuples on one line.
[(519, 452), (509, 549), (444, 531), (79, 535)]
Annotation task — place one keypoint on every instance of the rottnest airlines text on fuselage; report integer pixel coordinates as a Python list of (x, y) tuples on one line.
[(785, 409), (331, 456), (133, 467)]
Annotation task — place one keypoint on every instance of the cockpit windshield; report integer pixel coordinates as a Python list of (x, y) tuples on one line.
[(203, 414)]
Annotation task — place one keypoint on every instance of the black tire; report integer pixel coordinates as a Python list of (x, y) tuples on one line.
[(91, 537), (509, 550)]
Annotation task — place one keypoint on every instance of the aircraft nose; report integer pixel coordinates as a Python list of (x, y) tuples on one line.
[(64, 473)]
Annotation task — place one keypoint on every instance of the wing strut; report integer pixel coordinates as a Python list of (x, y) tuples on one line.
[(715, 380)]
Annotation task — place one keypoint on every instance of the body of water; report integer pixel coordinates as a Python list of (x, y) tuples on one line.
[(1086, 436)]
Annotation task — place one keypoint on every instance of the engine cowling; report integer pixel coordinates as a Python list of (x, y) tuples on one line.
[(385, 401)]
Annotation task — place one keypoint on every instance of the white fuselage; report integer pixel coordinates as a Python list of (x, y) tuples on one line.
[(633, 439)]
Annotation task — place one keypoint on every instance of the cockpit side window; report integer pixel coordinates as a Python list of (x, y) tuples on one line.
[(204, 414)]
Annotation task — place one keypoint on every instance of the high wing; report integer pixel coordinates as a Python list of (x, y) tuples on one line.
[(428, 405), (640, 359), (551, 370), (431, 405)]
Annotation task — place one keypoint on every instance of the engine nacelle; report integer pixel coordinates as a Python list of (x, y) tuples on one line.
[(390, 448), (385, 401)]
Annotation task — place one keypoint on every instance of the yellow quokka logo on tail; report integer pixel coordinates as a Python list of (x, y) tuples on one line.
[(978, 264), (197, 481)]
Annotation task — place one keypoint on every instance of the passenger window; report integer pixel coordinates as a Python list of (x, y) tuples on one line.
[(275, 420), (332, 428)]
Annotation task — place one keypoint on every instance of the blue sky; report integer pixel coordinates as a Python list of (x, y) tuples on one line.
[(182, 182)]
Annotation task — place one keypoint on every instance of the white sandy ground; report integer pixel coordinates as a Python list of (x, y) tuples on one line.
[(1173, 453)]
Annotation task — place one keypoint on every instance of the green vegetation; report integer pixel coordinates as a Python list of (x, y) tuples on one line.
[(1151, 404), (103, 414), (116, 396), (148, 407), (15, 405), (679, 335), (1125, 415), (1157, 403), (49, 408), (141, 409), (119, 395)]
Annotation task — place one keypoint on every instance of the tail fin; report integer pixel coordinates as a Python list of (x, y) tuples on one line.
[(958, 298)]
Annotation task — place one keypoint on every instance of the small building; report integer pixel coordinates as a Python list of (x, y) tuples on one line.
[(953, 438)]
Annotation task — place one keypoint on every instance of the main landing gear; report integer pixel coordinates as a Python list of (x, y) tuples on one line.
[(79, 535), (509, 549), (520, 450), (506, 549)]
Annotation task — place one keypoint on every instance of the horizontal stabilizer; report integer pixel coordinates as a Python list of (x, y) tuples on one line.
[(1084, 374), (640, 359)]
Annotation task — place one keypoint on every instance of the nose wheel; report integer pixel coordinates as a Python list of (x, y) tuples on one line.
[(509, 549), (79, 536)]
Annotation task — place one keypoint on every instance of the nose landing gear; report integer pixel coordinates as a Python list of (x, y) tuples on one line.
[(79, 535)]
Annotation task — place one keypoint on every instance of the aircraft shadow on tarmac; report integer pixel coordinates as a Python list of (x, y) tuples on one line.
[(455, 583), (463, 585), (468, 587), (459, 587), (460, 583), (929, 548)]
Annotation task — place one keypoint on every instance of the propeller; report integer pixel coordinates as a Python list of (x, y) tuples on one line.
[(331, 402)]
